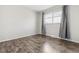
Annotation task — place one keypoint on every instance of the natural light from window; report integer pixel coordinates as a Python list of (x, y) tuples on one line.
[(53, 18)]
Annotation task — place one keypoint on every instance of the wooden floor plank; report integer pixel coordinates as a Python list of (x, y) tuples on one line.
[(39, 44)]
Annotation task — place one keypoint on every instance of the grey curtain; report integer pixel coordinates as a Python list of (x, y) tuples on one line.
[(64, 26), (43, 26)]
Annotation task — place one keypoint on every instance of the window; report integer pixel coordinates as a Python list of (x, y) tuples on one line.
[(48, 18), (57, 20), (53, 17), (57, 16), (48, 21)]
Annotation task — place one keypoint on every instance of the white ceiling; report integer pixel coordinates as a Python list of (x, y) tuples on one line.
[(38, 7)]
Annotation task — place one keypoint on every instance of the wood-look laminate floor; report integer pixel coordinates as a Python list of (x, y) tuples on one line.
[(38, 44)]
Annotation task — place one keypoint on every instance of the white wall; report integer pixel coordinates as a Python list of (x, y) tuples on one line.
[(39, 22), (52, 30), (74, 22), (16, 22)]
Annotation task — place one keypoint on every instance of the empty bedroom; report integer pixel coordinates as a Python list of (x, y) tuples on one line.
[(39, 28)]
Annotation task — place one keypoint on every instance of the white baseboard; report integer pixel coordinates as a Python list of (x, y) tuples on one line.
[(76, 41), (35, 34), (16, 37)]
